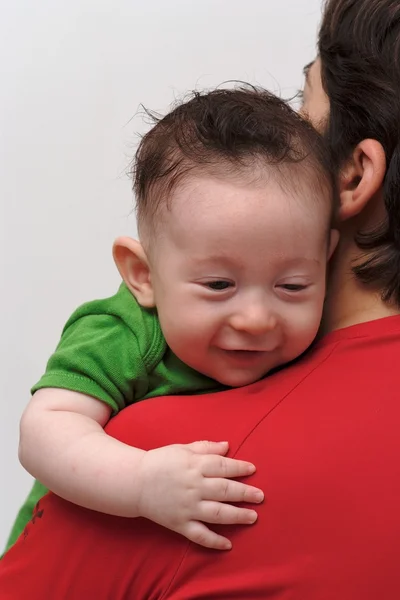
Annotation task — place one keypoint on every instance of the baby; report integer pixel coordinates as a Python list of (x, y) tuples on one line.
[(235, 200)]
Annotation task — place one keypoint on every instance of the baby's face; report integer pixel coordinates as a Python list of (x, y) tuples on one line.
[(238, 272)]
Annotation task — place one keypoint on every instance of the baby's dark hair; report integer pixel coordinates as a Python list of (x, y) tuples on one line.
[(232, 130)]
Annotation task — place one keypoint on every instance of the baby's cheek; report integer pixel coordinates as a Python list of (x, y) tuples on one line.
[(308, 324), (181, 330)]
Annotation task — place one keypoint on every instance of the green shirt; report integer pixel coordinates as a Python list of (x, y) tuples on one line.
[(115, 351)]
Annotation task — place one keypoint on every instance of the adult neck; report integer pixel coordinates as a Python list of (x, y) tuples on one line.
[(348, 301)]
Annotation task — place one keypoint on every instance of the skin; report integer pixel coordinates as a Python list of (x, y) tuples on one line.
[(361, 204), (62, 439), (237, 274), (361, 208), (315, 101)]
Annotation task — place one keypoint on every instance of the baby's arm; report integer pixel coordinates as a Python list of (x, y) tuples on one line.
[(63, 444)]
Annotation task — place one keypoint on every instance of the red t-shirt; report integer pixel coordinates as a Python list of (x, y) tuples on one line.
[(325, 437)]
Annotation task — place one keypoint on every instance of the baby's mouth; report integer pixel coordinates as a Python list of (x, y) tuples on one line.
[(244, 354)]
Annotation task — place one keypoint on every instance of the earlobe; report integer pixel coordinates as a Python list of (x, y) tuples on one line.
[(333, 242), (362, 178), (133, 265)]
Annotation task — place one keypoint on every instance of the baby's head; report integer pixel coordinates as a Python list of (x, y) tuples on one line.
[(235, 199)]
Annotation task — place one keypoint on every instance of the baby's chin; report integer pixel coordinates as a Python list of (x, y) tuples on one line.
[(237, 380)]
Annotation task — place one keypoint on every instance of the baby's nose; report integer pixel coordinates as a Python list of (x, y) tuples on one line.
[(255, 320)]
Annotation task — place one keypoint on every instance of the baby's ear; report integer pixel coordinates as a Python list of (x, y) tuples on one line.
[(333, 242), (133, 265)]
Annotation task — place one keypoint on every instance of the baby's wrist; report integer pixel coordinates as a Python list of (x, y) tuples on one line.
[(140, 483)]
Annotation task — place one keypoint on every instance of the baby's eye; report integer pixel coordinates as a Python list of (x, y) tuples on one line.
[(293, 287), (218, 285)]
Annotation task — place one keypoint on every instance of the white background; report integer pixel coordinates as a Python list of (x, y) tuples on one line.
[(73, 75)]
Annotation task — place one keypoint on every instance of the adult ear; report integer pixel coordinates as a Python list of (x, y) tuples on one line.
[(361, 178), (133, 265)]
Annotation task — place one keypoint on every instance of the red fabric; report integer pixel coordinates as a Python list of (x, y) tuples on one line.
[(324, 434)]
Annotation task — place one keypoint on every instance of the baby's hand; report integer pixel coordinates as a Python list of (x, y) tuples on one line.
[(185, 486)]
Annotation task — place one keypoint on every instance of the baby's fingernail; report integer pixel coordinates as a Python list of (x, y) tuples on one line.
[(253, 517), (251, 468), (259, 496), (227, 545)]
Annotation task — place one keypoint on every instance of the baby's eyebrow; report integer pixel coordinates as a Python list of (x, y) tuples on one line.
[(212, 258), (300, 261)]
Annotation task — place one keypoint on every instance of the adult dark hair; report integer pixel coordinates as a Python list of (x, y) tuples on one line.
[(359, 47), (237, 129)]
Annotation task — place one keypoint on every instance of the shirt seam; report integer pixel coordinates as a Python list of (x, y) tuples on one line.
[(178, 568), (322, 343), (121, 322), (285, 397), (154, 354), (41, 384)]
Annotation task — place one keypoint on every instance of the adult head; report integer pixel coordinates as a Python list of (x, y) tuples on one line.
[(352, 95)]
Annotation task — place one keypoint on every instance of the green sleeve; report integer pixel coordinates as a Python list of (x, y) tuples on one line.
[(106, 351), (26, 512)]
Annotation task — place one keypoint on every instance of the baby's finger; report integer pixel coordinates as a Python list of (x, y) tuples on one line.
[(218, 513), (200, 534), (206, 447), (225, 490), (220, 466)]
